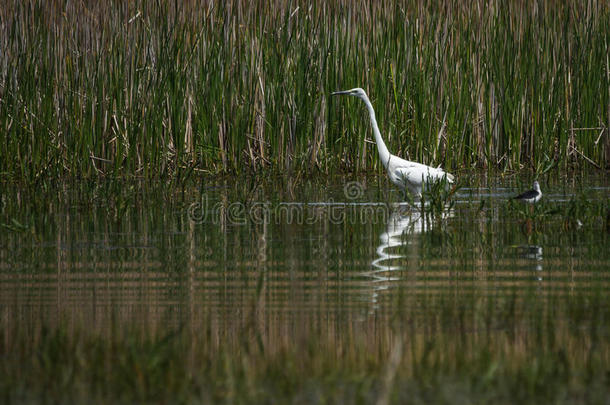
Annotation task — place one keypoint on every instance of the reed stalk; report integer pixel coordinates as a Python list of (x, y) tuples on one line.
[(147, 89)]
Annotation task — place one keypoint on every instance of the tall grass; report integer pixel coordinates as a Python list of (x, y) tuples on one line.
[(156, 89)]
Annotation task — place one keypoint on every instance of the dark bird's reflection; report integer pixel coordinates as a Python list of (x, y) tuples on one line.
[(534, 254)]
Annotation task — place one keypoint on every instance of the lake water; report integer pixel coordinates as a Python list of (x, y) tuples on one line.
[(296, 253)]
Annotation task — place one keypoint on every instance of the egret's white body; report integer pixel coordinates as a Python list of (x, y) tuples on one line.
[(405, 174)]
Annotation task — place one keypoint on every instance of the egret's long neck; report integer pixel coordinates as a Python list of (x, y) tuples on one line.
[(384, 153)]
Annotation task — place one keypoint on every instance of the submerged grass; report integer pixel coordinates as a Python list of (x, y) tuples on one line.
[(168, 89), (443, 350)]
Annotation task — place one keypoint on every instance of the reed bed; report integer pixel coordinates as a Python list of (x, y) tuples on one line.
[(167, 89)]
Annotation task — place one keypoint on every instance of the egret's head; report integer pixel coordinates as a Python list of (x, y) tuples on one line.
[(357, 92)]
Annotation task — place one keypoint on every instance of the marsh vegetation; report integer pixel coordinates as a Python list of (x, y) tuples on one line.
[(186, 216), (169, 89)]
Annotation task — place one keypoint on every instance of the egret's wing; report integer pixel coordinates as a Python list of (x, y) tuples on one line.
[(417, 173), (400, 162), (413, 173)]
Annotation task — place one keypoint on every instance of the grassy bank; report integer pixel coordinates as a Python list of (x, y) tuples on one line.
[(457, 350), (148, 89)]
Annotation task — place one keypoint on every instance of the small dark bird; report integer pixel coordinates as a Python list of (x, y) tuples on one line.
[(530, 196)]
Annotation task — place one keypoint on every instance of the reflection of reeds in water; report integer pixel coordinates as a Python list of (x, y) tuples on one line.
[(508, 347), (89, 269), (159, 309)]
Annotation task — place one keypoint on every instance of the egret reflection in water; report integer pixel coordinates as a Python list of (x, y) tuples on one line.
[(401, 240)]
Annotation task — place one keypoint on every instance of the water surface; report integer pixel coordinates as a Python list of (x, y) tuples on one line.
[(338, 251)]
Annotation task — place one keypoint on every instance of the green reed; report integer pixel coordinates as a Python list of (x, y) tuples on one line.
[(154, 89)]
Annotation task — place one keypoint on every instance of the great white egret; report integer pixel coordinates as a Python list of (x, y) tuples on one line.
[(405, 174), (530, 196)]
